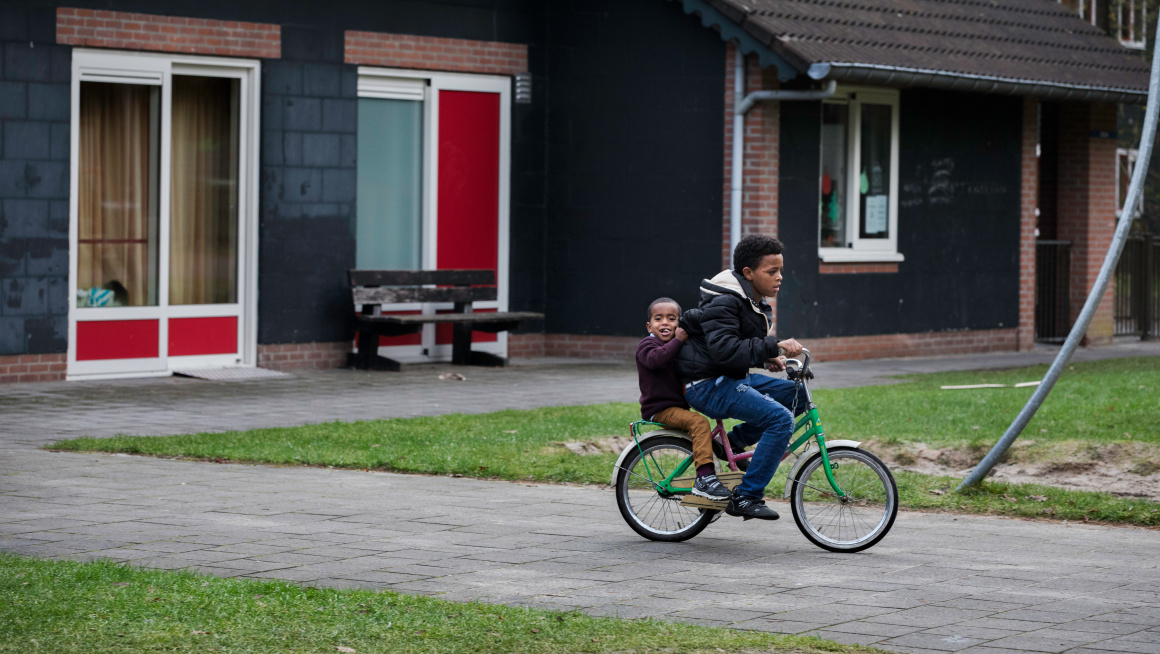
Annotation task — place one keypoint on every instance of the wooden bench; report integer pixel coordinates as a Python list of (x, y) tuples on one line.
[(370, 289)]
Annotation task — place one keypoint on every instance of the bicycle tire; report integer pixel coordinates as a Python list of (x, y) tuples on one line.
[(849, 524), (650, 514)]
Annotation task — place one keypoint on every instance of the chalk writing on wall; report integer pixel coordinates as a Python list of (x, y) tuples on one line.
[(934, 185)]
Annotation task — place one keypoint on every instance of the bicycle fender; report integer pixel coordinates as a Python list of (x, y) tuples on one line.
[(632, 446), (806, 455)]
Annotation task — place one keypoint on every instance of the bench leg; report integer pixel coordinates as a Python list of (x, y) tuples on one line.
[(461, 344), (367, 357)]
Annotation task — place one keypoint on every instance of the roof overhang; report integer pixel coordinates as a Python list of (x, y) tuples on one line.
[(731, 31), (895, 76), (733, 20)]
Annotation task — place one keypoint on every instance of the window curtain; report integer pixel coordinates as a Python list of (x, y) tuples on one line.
[(116, 199), (203, 219)]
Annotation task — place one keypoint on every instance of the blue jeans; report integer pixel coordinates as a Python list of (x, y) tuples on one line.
[(763, 403)]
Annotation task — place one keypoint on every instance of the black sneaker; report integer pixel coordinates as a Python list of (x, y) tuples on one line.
[(709, 488), (719, 452), (749, 508)]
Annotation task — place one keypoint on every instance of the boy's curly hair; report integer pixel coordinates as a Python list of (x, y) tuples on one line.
[(752, 249), (662, 300)]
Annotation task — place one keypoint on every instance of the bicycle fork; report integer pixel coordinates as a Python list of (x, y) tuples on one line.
[(814, 421)]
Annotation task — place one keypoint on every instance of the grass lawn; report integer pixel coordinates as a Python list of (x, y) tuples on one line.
[(1105, 402), (63, 606)]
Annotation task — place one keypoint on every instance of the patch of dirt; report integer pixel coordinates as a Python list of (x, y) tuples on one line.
[(601, 445), (1124, 469)]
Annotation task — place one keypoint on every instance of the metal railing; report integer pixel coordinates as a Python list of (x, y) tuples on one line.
[(1052, 290), (1137, 288)]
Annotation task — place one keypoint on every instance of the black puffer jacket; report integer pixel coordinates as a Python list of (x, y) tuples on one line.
[(728, 332)]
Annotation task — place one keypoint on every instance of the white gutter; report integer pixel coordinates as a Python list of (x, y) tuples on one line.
[(741, 105)]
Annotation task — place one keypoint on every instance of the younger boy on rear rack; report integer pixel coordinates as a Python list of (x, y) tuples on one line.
[(662, 396)]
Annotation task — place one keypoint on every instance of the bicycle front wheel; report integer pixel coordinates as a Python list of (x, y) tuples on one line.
[(851, 523), (653, 513)]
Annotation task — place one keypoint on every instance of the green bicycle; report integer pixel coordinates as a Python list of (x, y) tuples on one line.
[(843, 498)]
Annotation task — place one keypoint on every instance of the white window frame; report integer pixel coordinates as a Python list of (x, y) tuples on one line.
[(863, 249), (1132, 154), (155, 69), (1137, 24), (1090, 5), (424, 86)]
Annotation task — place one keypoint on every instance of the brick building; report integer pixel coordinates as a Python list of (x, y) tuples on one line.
[(187, 185)]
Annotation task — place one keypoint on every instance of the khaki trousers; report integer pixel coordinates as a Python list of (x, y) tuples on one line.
[(698, 427)]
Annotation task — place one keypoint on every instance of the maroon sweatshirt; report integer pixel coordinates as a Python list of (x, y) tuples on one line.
[(659, 387)]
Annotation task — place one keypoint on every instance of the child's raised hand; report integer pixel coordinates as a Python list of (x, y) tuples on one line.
[(681, 334)]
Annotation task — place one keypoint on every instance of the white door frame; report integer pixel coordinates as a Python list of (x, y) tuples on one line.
[(157, 70), (376, 82)]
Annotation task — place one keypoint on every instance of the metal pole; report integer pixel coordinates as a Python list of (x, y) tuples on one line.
[(1097, 292)]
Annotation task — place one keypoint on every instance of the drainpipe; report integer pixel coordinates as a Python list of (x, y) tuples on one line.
[(741, 105)]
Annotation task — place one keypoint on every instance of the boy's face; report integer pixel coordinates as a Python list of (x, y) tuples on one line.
[(663, 321), (766, 278)]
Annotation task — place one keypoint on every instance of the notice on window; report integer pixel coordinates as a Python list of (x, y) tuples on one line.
[(875, 219)]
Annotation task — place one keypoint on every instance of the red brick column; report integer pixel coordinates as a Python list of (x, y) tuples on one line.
[(760, 172), (1087, 204), (1029, 194)]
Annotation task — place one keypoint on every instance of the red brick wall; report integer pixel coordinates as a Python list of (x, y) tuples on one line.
[(431, 53), (854, 268), (303, 356), (33, 368), (1029, 194), (823, 349), (575, 346), (127, 31), (881, 346), (1087, 204)]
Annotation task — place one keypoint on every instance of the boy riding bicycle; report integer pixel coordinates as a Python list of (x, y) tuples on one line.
[(727, 336), (662, 396)]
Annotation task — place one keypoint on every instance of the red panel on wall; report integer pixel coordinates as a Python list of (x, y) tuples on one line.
[(468, 180), (443, 332), (189, 336), (117, 339)]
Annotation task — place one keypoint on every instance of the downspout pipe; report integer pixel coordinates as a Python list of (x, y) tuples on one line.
[(741, 105)]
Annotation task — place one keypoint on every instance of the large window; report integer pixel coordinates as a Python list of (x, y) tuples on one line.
[(858, 209)]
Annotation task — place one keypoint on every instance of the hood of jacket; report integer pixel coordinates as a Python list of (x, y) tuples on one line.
[(730, 282)]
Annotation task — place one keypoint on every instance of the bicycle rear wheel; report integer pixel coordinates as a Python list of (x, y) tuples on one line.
[(851, 523), (652, 513)]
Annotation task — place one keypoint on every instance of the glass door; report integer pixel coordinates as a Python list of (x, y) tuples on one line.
[(162, 156), (433, 179)]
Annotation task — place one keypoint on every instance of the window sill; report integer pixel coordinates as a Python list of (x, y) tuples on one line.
[(839, 255), (855, 268)]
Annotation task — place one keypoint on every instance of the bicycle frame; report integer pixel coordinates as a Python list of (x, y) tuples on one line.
[(810, 420)]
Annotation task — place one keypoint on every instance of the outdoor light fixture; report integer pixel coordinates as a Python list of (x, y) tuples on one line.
[(523, 88)]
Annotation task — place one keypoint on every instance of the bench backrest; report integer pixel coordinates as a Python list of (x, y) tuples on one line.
[(398, 286)]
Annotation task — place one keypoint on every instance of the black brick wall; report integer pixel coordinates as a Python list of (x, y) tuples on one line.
[(635, 162), (34, 182), (309, 157), (962, 249)]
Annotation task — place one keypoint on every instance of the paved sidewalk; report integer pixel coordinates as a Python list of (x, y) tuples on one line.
[(937, 583)]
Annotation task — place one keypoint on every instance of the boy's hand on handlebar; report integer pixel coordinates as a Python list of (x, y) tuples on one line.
[(789, 347), (776, 365), (681, 334)]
